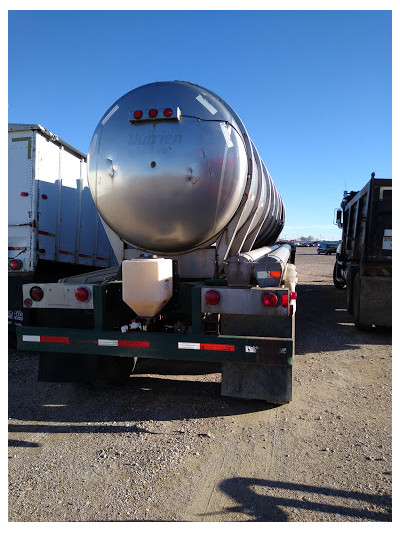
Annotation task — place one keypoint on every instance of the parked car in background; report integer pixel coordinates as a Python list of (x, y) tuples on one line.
[(326, 248)]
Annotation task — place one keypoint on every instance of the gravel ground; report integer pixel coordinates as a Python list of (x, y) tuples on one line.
[(167, 447)]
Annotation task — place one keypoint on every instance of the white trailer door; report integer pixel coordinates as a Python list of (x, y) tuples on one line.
[(21, 199)]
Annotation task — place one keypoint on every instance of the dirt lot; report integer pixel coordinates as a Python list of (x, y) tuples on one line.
[(167, 447)]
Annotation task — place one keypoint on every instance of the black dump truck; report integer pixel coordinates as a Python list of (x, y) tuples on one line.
[(363, 264)]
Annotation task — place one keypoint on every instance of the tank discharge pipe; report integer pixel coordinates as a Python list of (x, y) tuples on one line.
[(266, 265)]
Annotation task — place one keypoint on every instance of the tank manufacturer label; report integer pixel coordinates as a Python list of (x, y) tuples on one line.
[(206, 104)]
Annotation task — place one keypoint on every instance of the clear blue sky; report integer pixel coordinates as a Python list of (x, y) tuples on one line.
[(313, 88)]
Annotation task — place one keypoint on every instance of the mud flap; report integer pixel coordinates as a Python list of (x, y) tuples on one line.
[(84, 368), (257, 382)]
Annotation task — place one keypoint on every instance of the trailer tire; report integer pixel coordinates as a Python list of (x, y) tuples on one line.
[(356, 305)]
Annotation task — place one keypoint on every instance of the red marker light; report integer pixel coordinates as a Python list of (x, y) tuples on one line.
[(213, 297), (82, 294), (270, 299), (167, 112), (285, 300), (293, 295), (138, 114), (28, 302), (15, 264), (36, 294), (24, 194), (153, 113)]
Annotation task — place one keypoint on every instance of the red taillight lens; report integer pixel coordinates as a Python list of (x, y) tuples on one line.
[(167, 112), (36, 294), (15, 264), (82, 294), (138, 114), (293, 295), (270, 299), (153, 113), (213, 297)]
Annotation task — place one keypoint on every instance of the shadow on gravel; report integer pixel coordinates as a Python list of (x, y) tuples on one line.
[(74, 408), (263, 500), (323, 323)]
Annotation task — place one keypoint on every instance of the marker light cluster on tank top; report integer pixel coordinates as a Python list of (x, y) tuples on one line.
[(153, 113)]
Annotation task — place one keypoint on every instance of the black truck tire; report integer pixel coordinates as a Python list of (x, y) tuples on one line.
[(338, 282)]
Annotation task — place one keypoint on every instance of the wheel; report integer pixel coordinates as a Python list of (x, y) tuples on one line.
[(356, 305), (338, 282)]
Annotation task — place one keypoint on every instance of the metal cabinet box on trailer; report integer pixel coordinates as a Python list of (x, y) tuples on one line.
[(54, 229)]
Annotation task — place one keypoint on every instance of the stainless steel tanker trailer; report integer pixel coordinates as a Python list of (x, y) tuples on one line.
[(193, 217)]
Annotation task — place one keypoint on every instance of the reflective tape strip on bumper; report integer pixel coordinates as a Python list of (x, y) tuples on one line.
[(40, 338), (129, 344), (205, 346)]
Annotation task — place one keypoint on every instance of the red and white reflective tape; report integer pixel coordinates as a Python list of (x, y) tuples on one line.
[(44, 338), (203, 346), (129, 344)]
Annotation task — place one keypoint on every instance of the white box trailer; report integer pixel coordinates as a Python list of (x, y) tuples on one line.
[(54, 229)]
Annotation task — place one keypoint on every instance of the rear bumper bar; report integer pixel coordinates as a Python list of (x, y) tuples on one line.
[(272, 351)]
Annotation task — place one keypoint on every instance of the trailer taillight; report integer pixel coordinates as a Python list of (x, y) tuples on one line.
[(285, 300), (82, 294), (15, 264), (270, 299), (138, 114), (36, 293), (212, 297), (153, 113), (168, 112)]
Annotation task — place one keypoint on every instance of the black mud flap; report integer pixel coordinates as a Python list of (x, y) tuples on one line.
[(84, 368), (257, 382)]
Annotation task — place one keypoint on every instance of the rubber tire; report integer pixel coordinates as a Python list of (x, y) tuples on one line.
[(356, 305), (339, 284)]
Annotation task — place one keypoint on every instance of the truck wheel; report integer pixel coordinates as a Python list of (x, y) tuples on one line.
[(356, 305), (338, 282)]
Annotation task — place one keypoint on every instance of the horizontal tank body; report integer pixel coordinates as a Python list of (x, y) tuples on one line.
[(170, 165)]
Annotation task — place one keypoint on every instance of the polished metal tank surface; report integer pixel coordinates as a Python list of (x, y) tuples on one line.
[(172, 184)]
